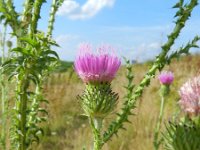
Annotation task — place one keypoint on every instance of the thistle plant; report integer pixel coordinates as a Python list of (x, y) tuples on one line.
[(98, 100), (135, 92), (166, 79), (183, 133), (32, 61), (35, 56)]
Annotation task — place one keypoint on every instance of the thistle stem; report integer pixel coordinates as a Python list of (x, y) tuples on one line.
[(52, 18), (158, 125), (23, 122), (36, 15), (22, 107), (26, 15), (96, 125), (3, 92)]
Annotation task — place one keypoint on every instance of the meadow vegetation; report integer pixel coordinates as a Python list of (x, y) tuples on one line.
[(67, 129), (39, 106)]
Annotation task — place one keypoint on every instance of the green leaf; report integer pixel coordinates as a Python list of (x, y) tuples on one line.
[(179, 4), (44, 100), (50, 52), (42, 110), (53, 43), (20, 50), (30, 41), (12, 75)]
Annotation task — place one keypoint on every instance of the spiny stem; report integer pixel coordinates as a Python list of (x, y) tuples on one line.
[(35, 105), (52, 18), (8, 15), (3, 92), (26, 16), (158, 125), (22, 107), (11, 9), (36, 15), (54, 7), (96, 125)]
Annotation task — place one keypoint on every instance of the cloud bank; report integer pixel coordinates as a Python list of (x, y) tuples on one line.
[(89, 9)]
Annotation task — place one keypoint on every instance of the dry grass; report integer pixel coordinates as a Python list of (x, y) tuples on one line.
[(68, 130)]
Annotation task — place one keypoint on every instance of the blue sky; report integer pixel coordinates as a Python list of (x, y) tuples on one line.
[(135, 28)]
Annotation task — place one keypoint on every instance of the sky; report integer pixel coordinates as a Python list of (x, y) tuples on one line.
[(136, 29)]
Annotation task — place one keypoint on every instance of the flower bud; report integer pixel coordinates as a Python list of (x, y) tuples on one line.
[(98, 100), (166, 79)]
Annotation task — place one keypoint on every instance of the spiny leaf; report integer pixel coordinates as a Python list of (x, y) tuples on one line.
[(30, 41)]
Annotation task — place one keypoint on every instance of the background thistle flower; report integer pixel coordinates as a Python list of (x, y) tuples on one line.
[(166, 77), (184, 133), (190, 96)]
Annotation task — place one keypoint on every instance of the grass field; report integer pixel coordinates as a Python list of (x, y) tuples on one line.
[(67, 129)]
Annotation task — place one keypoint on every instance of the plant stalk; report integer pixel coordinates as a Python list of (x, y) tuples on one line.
[(96, 125), (36, 15), (158, 125), (22, 87), (3, 92), (54, 7), (52, 18)]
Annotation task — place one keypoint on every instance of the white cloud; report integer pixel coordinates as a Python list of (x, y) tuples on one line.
[(68, 46), (145, 51), (90, 8), (68, 7)]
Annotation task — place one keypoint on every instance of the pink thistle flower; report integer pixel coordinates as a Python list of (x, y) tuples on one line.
[(98, 67), (166, 77), (190, 96)]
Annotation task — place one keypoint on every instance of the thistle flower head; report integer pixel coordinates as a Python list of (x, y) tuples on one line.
[(166, 77), (100, 67), (190, 96)]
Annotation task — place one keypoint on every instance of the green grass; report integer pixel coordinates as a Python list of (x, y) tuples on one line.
[(68, 130), (64, 66)]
